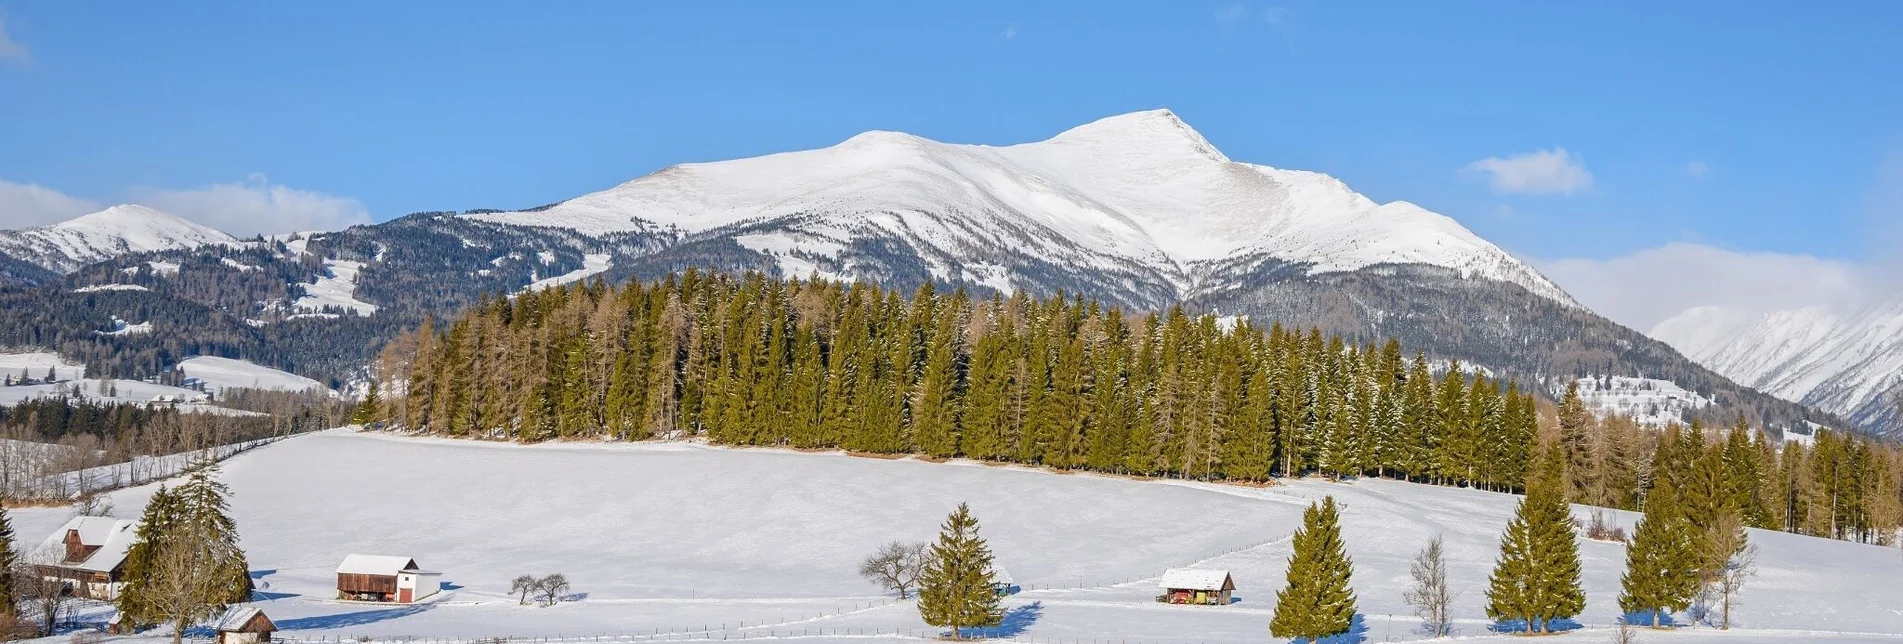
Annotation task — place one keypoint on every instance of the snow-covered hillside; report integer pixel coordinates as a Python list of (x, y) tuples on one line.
[(36, 364), (1136, 192), (1647, 401), (678, 541), (220, 373), (1848, 364), (129, 228), (336, 290)]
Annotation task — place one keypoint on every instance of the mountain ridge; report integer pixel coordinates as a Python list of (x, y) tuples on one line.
[(126, 228)]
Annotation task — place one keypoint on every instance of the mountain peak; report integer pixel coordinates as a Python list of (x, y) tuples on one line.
[(1149, 130)]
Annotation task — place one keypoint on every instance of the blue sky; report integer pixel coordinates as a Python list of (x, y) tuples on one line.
[(1614, 129)]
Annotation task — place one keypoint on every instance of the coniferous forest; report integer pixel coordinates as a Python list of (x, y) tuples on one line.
[(1068, 383)]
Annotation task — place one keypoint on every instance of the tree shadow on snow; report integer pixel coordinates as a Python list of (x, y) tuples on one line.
[(1643, 619), (1015, 622), (260, 574), (1511, 626), (450, 585), (343, 620), (1357, 633)]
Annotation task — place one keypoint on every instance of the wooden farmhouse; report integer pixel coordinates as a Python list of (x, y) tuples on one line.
[(1191, 586), (89, 554), (244, 625), (380, 578)]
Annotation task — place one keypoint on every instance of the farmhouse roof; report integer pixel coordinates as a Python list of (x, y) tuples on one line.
[(375, 565), (1193, 579), (239, 618), (112, 536)]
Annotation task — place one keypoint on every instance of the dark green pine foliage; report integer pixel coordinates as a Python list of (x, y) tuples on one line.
[(1318, 601), (1661, 574), (1536, 579), (9, 557), (956, 589), (368, 409), (207, 518), (138, 602), (1060, 381)]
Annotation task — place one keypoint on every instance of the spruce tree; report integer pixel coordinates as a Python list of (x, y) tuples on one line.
[(956, 590), (1537, 576), (368, 409), (185, 565), (1317, 602), (9, 557), (1661, 574)]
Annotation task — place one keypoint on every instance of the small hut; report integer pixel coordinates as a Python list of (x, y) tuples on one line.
[(1001, 581), (381, 578), (244, 625), (1192, 586)]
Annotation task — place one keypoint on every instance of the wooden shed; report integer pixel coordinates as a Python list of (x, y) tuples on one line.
[(244, 625), (1192, 586), (383, 578)]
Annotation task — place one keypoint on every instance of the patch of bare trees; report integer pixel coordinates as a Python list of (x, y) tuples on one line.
[(895, 566), (547, 591)]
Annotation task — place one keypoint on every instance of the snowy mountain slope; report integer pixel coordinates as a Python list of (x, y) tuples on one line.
[(129, 228), (1848, 364), (220, 373), (1137, 192), (671, 539)]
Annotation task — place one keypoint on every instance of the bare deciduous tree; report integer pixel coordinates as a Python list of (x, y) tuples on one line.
[(522, 586), (45, 596), (895, 566), (552, 588), (1626, 634), (1738, 565), (1430, 595)]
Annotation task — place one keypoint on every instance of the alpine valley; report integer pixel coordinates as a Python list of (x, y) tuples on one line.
[(1137, 210)]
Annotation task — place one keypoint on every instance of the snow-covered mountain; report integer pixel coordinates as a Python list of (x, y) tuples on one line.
[(66, 246), (1848, 364), (1141, 198)]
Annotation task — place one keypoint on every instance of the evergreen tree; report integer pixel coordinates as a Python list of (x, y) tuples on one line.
[(368, 410), (185, 565), (1661, 573), (956, 590), (9, 557), (1537, 577), (1318, 601)]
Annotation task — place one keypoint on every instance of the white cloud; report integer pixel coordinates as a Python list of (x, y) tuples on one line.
[(1697, 169), (1009, 32), (1232, 13), (25, 205), (1647, 287), (11, 50), (1554, 171), (258, 206)]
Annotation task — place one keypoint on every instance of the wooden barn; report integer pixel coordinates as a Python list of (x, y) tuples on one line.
[(244, 625), (89, 554), (382, 578), (1192, 586)]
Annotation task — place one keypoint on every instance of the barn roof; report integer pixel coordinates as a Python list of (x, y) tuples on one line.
[(112, 536), (1193, 579), (1001, 576), (375, 565), (244, 619)]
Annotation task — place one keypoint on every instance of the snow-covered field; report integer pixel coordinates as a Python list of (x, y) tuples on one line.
[(337, 288), (36, 363), (677, 538), (127, 391), (219, 373), (591, 265)]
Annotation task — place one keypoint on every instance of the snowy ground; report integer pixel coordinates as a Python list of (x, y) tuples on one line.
[(674, 538), (35, 364), (591, 265), (1648, 401), (336, 288), (219, 373), (128, 391)]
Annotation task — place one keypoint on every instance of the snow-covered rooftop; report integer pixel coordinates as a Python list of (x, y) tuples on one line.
[(1195, 579), (112, 536), (375, 565)]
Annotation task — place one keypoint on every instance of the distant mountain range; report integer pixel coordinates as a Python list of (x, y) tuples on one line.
[(1847, 364), (1137, 210)]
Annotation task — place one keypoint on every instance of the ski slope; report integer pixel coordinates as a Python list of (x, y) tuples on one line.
[(676, 538)]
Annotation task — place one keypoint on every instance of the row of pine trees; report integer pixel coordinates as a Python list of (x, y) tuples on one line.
[(1063, 382)]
